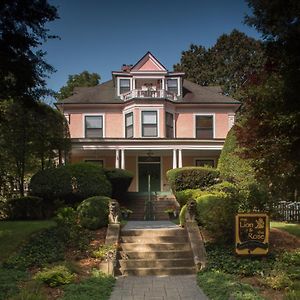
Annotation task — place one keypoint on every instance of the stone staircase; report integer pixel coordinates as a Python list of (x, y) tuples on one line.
[(155, 252)]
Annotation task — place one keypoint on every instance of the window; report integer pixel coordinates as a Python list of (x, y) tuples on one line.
[(129, 125), (204, 127), (205, 163), (124, 86), (149, 124), (99, 162), (67, 116), (94, 126), (169, 126), (172, 85)]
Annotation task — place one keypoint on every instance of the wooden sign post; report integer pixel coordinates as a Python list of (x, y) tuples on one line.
[(252, 234)]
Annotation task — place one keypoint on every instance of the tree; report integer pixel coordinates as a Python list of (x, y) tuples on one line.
[(229, 63), (84, 79), (22, 31), (269, 129)]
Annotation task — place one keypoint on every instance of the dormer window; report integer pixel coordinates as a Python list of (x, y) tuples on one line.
[(172, 86), (124, 86)]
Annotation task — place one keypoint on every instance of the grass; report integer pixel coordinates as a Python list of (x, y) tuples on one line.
[(14, 233), (291, 228)]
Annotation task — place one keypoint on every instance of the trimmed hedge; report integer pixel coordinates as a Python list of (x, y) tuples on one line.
[(25, 208), (182, 197), (70, 183), (93, 212), (120, 181), (192, 178)]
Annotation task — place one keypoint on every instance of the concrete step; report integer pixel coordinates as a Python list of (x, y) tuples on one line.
[(154, 247), (159, 271), (172, 254), (154, 232), (154, 239), (160, 263)]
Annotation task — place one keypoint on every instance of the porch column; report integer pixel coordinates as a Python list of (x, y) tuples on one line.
[(122, 159), (117, 165), (179, 158), (174, 159)]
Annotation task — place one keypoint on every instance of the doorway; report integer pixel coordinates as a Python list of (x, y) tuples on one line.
[(149, 168)]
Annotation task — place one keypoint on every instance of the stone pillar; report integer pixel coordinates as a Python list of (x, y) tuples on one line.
[(122, 159), (117, 165), (179, 158), (174, 159)]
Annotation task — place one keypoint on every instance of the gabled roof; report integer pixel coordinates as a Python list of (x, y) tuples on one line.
[(148, 63)]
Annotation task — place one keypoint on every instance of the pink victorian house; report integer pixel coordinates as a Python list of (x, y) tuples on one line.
[(148, 120)]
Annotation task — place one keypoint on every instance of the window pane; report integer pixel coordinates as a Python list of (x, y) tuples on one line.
[(172, 83), (204, 133), (129, 132), (93, 122), (170, 132), (169, 119), (149, 130), (94, 133), (205, 162), (125, 82), (149, 159), (129, 119), (149, 117), (204, 121)]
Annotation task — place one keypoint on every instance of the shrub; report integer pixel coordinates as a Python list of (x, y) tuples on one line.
[(182, 215), (55, 276), (120, 181), (93, 212), (192, 178), (103, 250), (183, 196), (70, 183), (25, 208)]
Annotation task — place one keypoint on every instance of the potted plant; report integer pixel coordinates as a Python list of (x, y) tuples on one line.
[(125, 212)]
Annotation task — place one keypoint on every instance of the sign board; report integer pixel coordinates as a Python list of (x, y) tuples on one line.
[(252, 234)]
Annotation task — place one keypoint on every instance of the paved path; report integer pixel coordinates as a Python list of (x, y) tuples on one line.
[(132, 225), (181, 287)]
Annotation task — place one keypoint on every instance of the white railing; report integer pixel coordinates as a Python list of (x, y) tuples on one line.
[(148, 94)]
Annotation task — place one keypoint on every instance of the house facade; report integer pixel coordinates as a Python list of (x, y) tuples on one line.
[(148, 120)]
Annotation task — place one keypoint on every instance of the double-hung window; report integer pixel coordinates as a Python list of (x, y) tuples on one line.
[(204, 127), (129, 125), (124, 86), (172, 85), (149, 124), (94, 126), (169, 126)]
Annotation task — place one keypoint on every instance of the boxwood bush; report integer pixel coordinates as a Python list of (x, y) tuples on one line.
[(93, 212), (120, 181), (71, 183), (192, 178), (183, 196)]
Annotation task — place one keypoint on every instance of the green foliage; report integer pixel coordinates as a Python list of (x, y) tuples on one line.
[(31, 291), (98, 287), (9, 282), (220, 286), (25, 208), (192, 178), (93, 212), (55, 276), (84, 79), (183, 196), (103, 250), (291, 228), (120, 181), (182, 215)]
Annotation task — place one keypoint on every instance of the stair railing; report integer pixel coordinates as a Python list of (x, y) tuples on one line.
[(149, 202)]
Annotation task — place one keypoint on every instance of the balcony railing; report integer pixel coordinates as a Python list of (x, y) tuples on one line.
[(148, 94)]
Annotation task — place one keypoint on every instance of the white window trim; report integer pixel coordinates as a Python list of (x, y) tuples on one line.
[(206, 158), (205, 114), (141, 123), (93, 115), (178, 84), (125, 112), (174, 124), (118, 84)]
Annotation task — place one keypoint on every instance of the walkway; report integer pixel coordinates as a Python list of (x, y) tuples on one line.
[(181, 287), (133, 225)]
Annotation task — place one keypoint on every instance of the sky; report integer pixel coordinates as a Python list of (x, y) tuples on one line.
[(99, 36)]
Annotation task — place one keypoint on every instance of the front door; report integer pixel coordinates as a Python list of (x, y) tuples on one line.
[(149, 170)]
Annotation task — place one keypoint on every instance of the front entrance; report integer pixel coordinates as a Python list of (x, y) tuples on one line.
[(149, 170)]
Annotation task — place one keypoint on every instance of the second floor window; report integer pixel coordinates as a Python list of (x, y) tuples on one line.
[(129, 125), (169, 126), (94, 126), (149, 123), (172, 85), (204, 127), (124, 86)]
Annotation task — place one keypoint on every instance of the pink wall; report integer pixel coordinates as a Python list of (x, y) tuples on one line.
[(114, 125), (75, 125)]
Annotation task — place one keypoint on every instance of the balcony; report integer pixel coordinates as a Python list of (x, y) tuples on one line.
[(148, 94)]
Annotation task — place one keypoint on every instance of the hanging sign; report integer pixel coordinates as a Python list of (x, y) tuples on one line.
[(252, 234)]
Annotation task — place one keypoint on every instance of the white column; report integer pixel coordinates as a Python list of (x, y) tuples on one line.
[(179, 158), (122, 159), (174, 159), (117, 159)]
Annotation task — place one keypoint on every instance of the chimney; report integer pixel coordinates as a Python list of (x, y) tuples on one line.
[(126, 68)]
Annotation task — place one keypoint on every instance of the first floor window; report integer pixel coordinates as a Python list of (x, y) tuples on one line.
[(93, 126), (129, 125), (205, 163), (172, 85), (169, 125), (124, 86), (204, 127), (149, 123)]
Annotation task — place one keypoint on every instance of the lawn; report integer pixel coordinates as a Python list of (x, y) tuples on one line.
[(14, 233), (291, 228)]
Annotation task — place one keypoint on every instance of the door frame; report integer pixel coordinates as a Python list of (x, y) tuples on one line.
[(137, 171)]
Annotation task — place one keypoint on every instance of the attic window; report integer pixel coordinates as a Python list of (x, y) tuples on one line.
[(172, 85), (124, 86)]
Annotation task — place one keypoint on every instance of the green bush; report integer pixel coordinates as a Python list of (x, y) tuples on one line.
[(93, 212), (120, 181), (182, 216), (183, 196), (216, 212), (192, 178), (71, 183), (55, 276), (25, 208)]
